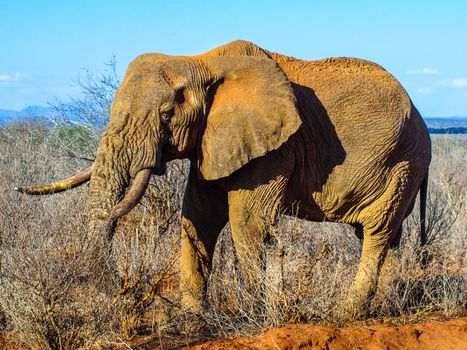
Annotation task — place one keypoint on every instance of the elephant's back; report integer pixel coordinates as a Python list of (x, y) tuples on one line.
[(365, 105), (359, 97)]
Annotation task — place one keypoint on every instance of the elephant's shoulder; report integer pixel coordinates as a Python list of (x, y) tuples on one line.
[(237, 48)]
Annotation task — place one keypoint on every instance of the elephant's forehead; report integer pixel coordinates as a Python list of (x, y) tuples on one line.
[(171, 70), (139, 98), (144, 85), (150, 77)]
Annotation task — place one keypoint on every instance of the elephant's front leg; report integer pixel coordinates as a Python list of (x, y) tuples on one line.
[(252, 213), (204, 214)]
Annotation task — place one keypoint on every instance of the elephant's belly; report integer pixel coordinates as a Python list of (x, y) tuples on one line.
[(309, 210), (303, 208), (317, 207)]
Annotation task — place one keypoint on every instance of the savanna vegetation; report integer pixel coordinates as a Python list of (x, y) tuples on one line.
[(56, 292)]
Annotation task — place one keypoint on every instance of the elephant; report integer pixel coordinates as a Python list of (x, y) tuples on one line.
[(336, 139)]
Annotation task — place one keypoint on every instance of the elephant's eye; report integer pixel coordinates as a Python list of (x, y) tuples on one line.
[(166, 115), (179, 96)]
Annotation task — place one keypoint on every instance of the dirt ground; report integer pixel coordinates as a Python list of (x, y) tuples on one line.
[(434, 335)]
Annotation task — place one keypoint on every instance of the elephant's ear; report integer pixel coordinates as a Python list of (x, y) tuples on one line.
[(253, 111)]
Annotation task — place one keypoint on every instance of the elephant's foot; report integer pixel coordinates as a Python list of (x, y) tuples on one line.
[(193, 313), (354, 307), (388, 277), (190, 322), (193, 303), (360, 294)]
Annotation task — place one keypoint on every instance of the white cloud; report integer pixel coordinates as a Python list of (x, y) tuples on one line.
[(425, 90), (12, 77), (458, 83), (423, 71)]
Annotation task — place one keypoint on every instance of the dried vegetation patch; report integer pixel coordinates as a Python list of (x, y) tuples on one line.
[(58, 290)]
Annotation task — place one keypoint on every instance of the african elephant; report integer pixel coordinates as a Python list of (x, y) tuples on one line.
[(329, 140)]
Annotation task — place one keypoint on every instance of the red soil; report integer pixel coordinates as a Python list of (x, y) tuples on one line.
[(450, 334), (434, 335)]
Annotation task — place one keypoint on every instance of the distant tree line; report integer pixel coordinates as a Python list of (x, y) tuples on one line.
[(452, 130)]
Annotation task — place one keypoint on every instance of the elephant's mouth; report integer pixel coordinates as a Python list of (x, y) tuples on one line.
[(171, 152), (160, 170)]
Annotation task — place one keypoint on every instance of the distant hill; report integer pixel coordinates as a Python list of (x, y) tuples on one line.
[(445, 122), (436, 125), (30, 112), (446, 125)]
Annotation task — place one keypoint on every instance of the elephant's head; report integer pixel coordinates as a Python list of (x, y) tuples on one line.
[(220, 112)]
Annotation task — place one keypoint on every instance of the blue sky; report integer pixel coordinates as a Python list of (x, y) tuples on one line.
[(45, 44)]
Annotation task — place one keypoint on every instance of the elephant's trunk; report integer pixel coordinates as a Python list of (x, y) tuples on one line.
[(113, 170)]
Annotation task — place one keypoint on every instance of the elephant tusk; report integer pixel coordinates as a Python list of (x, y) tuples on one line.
[(59, 186), (133, 196)]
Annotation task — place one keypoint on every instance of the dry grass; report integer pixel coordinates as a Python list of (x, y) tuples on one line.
[(55, 293)]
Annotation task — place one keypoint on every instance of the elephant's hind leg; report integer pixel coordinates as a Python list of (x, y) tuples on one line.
[(381, 222), (204, 214), (363, 287)]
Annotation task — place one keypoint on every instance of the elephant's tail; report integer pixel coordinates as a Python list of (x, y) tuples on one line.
[(423, 202)]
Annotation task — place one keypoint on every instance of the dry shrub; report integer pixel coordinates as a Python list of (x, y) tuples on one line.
[(50, 284), (55, 291), (47, 291), (145, 252), (306, 271)]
